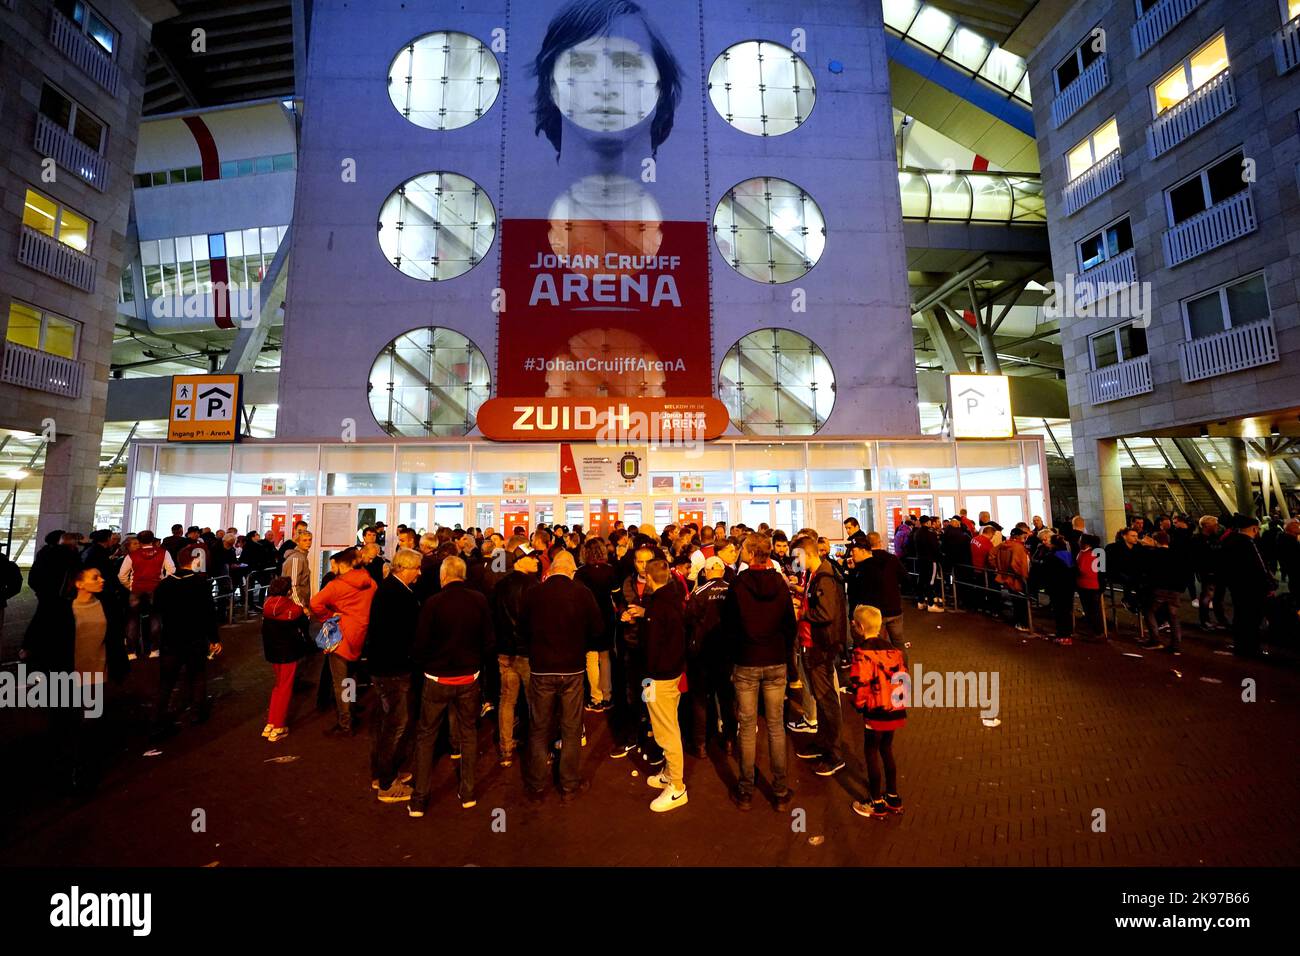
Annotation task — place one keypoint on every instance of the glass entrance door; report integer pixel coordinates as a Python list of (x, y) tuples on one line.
[(898, 507), (449, 514)]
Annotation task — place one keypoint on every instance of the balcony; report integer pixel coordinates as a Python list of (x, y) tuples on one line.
[(69, 40), (1085, 86), (1286, 47), (1106, 278), (1232, 350), (56, 259), (1216, 226), (1106, 174), (1191, 115), (1159, 20), (71, 153), (1122, 380), (30, 368)]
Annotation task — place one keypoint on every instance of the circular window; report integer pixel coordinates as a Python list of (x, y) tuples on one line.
[(444, 80), (777, 382), (761, 88), (436, 226), (770, 230), (428, 382)]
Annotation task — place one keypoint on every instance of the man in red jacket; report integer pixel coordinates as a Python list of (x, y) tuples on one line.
[(347, 596)]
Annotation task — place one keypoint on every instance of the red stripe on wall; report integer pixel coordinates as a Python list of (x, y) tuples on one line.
[(207, 146), (981, 164), (221, 294)]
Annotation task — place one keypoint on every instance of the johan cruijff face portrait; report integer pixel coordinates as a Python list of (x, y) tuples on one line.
[(604, 68)]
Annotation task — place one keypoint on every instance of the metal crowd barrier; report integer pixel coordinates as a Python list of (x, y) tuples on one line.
[(259, 582), (969, 578), (223, 589)]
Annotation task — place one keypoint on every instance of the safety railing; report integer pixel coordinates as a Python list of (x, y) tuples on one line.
[(1083, 88), (256, 584), (223, 592), (978, 589), (1193, 114), (1286, 47), (1222, 223), (1158, 21), (1104, 175)]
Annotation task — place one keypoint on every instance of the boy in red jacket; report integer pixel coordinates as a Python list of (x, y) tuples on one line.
[(881, 691)]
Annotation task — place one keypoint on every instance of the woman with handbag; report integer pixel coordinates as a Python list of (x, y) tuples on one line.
[(343, 606)]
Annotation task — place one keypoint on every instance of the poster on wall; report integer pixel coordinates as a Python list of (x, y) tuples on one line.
[(605, 235), (593, 470), (829, 517), (336, 529)]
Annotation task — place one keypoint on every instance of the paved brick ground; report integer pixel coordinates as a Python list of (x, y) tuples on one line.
[(1186, 773)]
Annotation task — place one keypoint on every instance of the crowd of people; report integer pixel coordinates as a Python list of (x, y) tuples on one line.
[(681, 638)]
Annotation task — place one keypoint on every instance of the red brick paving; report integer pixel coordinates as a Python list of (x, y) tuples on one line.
[(1186, 773)]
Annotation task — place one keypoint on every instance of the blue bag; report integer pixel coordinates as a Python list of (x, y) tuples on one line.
[(330, 635)]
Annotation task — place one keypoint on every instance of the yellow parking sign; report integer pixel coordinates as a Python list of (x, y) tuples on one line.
[(204, 408)]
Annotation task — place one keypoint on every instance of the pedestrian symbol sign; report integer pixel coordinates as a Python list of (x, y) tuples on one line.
[(204, 408)]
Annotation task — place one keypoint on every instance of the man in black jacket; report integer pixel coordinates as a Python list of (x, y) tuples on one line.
[(512, 647), (1247, 579), (1166, 577), (709, 661), (827, 621), (876, 579), (453, 640), (759, 612), (1203, 553), (189, 635), (631, 719), (394, 617), (664, 639), (924, 542), (559, 618)]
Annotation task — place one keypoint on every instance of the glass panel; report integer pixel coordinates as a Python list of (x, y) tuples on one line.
[(1247, 301), (950, 196), (60, 337), (1171, 90), (356, 469), (167, 514), (243, 167), (1205, 315), (761, 88), (979, 508), (1068, 71), (538, 465), (207, 514), (296, 464), (1106, 140), (900, 13), (1104, 350), (1133, 339), (101, 32), (24, 326), (1011, 510), (40, 213), (968, 48), (74, 230), (229, 169), (1090, 251), (449, 514), (990, 464), (1225, 178), (56, 106), (932, 28), (1187, 200), (433, 470), (262, 164), (842, 466), (915, 193), (436, 226), (769, 230), (282, 163), (1209, 62), (992, 199), (444, 80), (1004, 69), (1079, 160), (192, 471), (899, 460)]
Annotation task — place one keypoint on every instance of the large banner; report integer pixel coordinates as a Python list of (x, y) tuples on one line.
[(605, 235)]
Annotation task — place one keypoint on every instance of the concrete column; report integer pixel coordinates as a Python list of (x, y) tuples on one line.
[(1243, 487), (69, 485), (1101, 486)]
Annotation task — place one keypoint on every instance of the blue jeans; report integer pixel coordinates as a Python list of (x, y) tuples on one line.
[(462, 702), (749, 681), (547, 695)]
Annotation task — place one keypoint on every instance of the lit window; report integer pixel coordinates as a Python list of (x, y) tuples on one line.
[(1290, 10), (1120, 344), (770, 230), (1238, 303), (34, 329), (777, 382), (761, 88), (429, 382), (56, 221), (444, 80), (1103, 142), (436, 226), (1190, 75)]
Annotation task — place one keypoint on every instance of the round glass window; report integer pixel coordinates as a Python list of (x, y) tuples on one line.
[(777, 382), (428, 382), (444, 80), (436, 226), (762, 88), (769, 230)]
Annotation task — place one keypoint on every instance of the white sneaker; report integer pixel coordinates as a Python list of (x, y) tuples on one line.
[(668, 799), (266, 731), (920, 605), (153, 654), (658, 780), (935, 609), (132, 657), (279, 733)]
